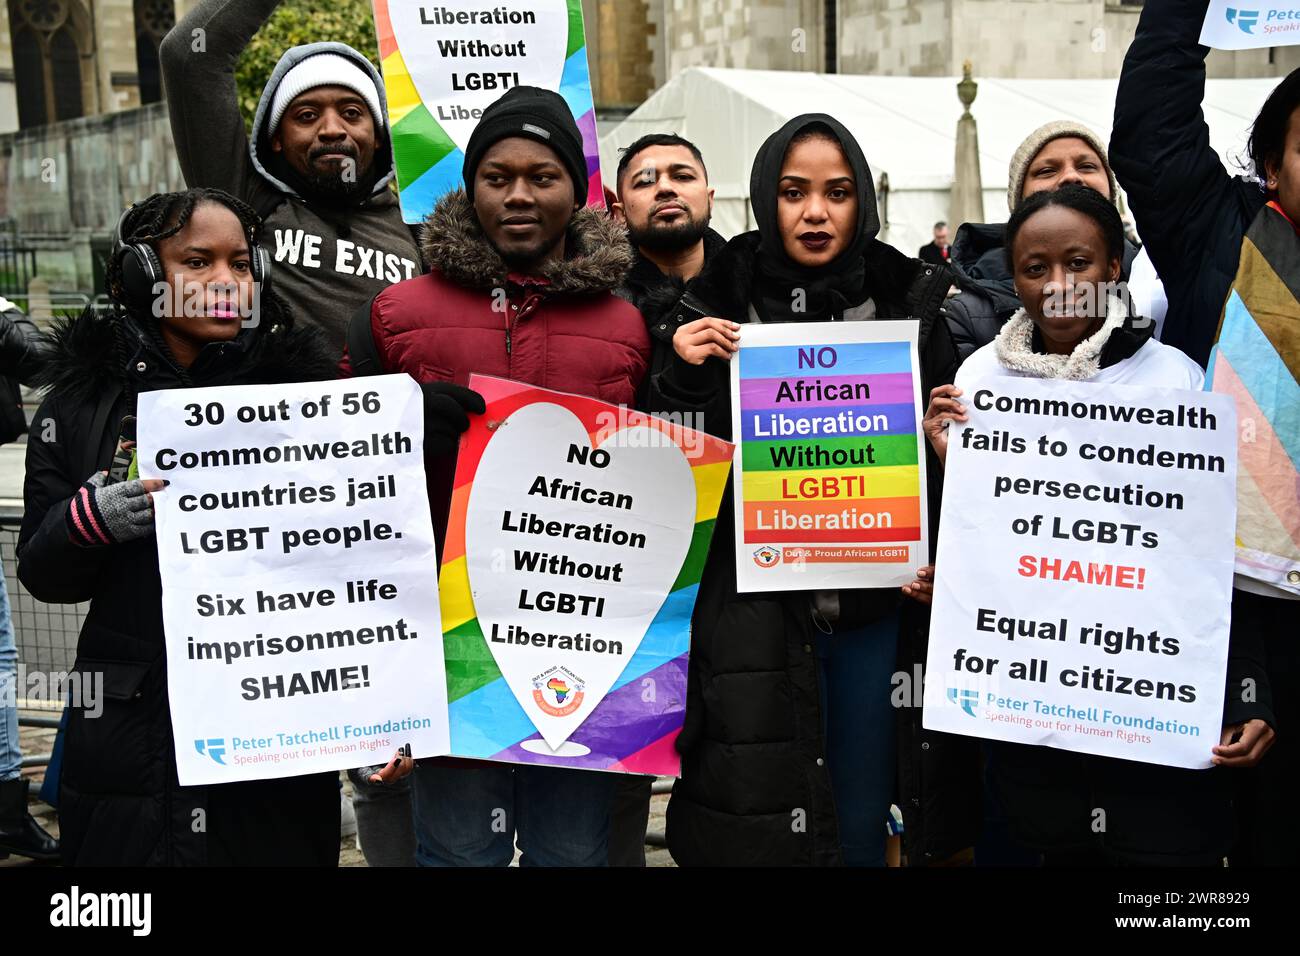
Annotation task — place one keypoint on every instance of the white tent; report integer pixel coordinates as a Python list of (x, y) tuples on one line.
[(906, 124)]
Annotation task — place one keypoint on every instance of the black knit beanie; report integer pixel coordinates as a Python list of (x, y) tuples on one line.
[(537, 114)]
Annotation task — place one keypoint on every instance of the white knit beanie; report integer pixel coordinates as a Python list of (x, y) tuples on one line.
[(1033, 145), (323, 69)]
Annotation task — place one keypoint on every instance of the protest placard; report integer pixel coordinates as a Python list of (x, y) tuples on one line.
[(1084, 569), (830, 479), (445, 62), (1231, 26), (300, 598), (577, 536)]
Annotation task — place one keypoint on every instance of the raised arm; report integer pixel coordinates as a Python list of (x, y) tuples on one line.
[(1160, 144), (198, 58)]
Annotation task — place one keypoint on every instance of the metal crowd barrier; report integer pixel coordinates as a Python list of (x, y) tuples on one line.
[(46, 633), (46, 636)]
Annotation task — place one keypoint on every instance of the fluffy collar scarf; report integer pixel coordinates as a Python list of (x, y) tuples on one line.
[(1014, 347)]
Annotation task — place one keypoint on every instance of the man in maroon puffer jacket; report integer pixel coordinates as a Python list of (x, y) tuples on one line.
[(522, 287)]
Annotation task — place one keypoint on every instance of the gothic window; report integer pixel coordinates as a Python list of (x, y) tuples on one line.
[(29, 78), (49, 36), (65, 69), (153, 18)]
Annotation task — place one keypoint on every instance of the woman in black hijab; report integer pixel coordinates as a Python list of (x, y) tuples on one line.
[(788, 746)]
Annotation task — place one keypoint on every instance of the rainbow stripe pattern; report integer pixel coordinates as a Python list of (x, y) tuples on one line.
[(1256, 361), (428, 161), (626, 732), (815, 444)]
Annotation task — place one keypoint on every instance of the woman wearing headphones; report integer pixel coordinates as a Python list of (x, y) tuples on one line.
[(192, 308)]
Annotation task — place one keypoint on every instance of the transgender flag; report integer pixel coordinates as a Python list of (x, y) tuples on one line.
[(1256, 361)]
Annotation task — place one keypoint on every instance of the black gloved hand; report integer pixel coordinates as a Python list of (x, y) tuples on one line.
[(445, 414)]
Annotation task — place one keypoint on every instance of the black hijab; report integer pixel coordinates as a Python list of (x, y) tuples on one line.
[(839, 284)]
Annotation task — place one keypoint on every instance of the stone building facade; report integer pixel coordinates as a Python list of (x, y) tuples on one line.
[(1081, 39), (62, 184), (83, 129), (622, 36), (64, 59), (1084, 39)]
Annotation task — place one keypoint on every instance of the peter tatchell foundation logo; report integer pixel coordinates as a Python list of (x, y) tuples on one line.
[(1245, 20), (767, 557), (558, 691)]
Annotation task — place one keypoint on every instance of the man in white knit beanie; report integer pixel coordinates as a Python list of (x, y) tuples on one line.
[(317, 166), (324, 119)]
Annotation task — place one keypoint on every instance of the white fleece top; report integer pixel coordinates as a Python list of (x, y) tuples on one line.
[(1155, 364)]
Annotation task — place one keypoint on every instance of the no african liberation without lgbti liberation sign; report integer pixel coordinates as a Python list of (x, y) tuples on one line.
[(830, 479)]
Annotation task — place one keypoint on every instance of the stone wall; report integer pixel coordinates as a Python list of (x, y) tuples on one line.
[(745, 34), (896, 37), (66, 184), (106, 34), (619, 43), (1085, 39)]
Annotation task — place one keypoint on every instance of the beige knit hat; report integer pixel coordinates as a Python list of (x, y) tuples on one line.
[(1039, 138)]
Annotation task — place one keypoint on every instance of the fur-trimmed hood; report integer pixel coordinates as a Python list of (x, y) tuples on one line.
[(453, 243), (87, 354)]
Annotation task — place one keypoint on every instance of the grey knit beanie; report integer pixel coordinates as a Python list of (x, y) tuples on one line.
[(1039, 138)]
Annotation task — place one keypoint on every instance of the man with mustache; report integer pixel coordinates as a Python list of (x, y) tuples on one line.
[(521, 286), (665, 201), (317, 169)]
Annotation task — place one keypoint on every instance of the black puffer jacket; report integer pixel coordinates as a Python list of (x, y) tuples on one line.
[(20, 361), (1190, 212), (988, 294), (120, 801), (755, 789), (658, 297)]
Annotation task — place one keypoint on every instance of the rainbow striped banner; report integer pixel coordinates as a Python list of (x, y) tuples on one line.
[(1256, 361), (444, 62), (634, 726), (830, 479)]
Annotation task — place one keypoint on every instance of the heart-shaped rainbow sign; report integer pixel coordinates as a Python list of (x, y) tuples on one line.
[(499, 698), (571, 551)]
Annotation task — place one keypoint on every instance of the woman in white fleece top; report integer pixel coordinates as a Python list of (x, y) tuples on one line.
[(1064, 249), (1061, 264)]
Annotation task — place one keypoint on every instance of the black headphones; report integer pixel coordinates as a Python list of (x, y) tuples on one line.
[(142, 269)]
